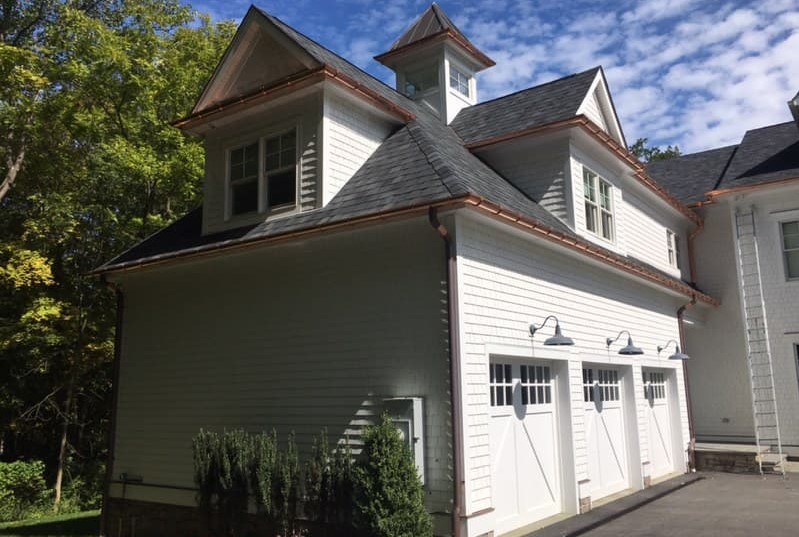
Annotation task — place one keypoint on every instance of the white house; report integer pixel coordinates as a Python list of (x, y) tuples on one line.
[(358, 244), (745, 352)]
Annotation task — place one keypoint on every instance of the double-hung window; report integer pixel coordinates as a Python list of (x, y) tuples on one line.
[(673, 248), (598, 197), (458, 81), (264, 185), (790, 248), (244, 179)]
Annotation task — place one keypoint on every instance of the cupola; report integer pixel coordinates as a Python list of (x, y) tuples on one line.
[(435, 64)]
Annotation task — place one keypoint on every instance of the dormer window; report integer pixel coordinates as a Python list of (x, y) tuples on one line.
[(257, 185), (458, 81), (598, 195)]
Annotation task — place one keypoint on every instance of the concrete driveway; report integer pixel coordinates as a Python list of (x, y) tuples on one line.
[(721, 505)]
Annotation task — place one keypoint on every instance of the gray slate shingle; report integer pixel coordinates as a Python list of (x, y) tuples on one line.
[(689, 177), (547, 103)]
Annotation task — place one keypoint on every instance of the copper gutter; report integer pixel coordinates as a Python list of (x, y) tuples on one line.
[(293, 83), (605, 139), (453, 315), (432, 39), (109, 465), (691, 434), (742, 189)]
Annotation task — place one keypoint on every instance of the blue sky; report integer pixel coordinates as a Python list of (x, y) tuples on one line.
[(696, 73)]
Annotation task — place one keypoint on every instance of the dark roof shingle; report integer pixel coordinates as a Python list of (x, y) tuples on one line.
[(547, 103), (690, 177), (764, 155)]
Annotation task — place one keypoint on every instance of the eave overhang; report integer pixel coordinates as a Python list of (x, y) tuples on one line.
[(390, 58)]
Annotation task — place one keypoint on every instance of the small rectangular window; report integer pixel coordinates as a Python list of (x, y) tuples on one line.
[(790, 248), (598, 198), (501, 384), (600, 384), (458, 81), (536, 385), (243, 176), (672, 246), (654, 385)]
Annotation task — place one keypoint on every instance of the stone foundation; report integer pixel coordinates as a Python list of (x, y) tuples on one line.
[(726, 461)]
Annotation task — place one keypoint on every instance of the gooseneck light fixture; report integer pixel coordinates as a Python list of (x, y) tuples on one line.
[(627, 350), (677, 354), (557, 339)]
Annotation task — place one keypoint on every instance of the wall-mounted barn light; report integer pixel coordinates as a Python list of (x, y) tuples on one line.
[(627, 350), (677, 354), (557, 339)]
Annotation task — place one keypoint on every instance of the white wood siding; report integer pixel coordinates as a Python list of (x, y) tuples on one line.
[(541, 171), (593, 110), (297, 337), (640, 223), (509, 281), (350, 136), (306, 114)]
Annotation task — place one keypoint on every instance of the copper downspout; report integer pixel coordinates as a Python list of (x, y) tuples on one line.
[(109, 465), (455, 369), (692, 441)]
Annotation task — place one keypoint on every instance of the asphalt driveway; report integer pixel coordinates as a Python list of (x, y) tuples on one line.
[(721, 505)]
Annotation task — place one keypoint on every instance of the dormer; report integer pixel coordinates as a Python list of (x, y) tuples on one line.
[(435, 64), (283, 129)]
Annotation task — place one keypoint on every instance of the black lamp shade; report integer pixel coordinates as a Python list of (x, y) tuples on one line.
[(679, 355), (559, 338), (630, 349)]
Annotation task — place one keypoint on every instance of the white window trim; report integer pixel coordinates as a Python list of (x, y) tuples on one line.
[(462, 73), (598, 179), (260, 137), (672, 248), (783, 251)]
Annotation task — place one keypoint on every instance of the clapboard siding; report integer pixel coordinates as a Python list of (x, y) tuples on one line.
[(508, 282), (640, 221), (306, 115), (296, 338), (593, 111), (539, 171), (351, 134)]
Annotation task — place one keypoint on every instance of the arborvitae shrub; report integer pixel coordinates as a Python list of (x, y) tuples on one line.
[(390, 497), (328, 488), (285, 490), (263, 460)]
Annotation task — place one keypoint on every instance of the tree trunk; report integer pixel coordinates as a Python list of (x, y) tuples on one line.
[(62, 451), (13, 169)]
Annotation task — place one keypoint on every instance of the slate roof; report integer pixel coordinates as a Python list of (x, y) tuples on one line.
[(547, 103), (689, 177), (422, 163), (764, 155)]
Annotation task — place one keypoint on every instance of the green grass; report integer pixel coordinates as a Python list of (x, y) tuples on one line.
[(86, 524)]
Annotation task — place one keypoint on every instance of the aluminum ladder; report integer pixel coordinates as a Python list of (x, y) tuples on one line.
[(761, 372)]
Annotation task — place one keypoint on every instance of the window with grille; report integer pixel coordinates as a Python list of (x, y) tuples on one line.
[(790, 248), (536, 387), (501, 385), (598, 198), (458, 81), (654, 385), (600, 384), (244, 179), (281, 169), (673, 247)]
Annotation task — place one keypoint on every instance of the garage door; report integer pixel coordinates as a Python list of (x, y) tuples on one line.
[(525, 476), (661, 441), (605, 435)]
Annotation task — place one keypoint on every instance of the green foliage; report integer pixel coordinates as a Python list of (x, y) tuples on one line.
[(286, 488), (22, 488), (329, 487), (647, 153), (390, 497), (263, 461)]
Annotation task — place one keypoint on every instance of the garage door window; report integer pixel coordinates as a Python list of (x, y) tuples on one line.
[(654, 385), (501, 385), (601, 384), (536, 386)]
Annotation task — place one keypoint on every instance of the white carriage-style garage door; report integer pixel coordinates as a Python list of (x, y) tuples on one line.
[(525, 471), (659, 423), (608, 466)]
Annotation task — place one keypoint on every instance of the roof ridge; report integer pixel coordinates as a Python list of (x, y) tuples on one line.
[(769, 127), (537, 86), (436, 162), (686, 155)]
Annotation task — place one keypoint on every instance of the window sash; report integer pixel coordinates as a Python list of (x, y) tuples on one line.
[(671, 245), (243, 174), (790, 248), (654, 385), (598, 196), (458, 81), (501, 384)]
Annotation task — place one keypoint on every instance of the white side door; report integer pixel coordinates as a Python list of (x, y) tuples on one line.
[(661, 441), (608, 466), (525, 462)]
